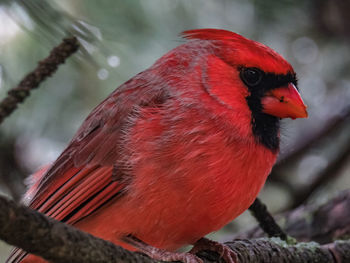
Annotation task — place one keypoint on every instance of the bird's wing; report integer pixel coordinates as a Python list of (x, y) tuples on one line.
[(92, 169), (89, 173)]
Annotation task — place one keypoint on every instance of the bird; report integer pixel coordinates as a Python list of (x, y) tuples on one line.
[(176, 152)]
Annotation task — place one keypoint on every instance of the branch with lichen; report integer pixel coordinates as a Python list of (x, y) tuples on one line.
[(57, 242), (276, 250)]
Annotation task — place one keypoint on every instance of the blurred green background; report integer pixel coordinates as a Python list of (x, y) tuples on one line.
[(121, 38)]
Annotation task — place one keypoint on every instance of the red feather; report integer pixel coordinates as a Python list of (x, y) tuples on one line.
[(212, 34)]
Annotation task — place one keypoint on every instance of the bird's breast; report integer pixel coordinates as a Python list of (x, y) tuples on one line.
[(192, 178), (188, 177)]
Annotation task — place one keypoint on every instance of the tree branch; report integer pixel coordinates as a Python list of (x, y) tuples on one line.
[(321, 223), (58, 243), (55, 241), (326, 175), (266, 220), (46, 68), (276, 250)]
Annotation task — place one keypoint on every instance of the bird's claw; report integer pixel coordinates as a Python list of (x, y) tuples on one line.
[(161, 254), (224, 251)]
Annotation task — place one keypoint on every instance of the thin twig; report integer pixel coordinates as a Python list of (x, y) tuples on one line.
[(321, 223), (266, 220), (46, 67), (326, 175)]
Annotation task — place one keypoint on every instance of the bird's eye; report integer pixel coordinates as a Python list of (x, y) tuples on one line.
[(251, 76)]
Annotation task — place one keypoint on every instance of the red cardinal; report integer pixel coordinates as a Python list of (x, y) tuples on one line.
[(176, 152)]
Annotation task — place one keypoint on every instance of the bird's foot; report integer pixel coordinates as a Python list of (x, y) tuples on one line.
[(224, 251), (161, 254)]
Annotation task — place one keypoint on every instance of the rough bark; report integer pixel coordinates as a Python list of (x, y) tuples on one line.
[(58, 243), (55, 241), (276, 251)]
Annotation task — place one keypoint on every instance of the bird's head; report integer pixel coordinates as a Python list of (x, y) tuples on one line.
[(253, 75)]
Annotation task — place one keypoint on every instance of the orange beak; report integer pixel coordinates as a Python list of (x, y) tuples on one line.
[(284, 102)]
